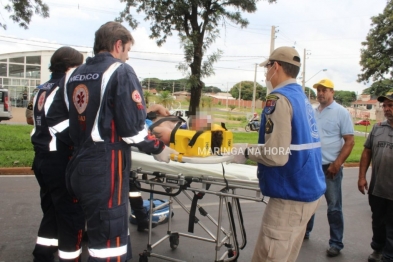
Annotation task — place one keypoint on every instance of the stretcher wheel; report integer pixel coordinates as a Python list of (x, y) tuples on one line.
[(143, 258), (174, 241), (231, 253)]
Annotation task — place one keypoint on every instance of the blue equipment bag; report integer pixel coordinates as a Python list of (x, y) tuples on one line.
[(160, 216)]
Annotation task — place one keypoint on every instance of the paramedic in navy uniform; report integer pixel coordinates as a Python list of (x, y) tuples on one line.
[(289, 160), (106, 115), (63, 222)]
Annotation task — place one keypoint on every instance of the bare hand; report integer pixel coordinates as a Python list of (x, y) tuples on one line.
[(332, 170), (159, 109), (362, 185)]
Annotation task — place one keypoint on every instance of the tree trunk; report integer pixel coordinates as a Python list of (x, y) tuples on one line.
[(196, 92)]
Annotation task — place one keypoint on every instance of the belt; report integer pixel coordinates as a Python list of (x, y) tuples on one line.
[(326, 166)]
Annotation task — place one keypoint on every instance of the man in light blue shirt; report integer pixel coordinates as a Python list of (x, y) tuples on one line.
[(336, 131)]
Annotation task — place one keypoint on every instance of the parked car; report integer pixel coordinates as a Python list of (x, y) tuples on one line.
[(363, 123), (5, 105)]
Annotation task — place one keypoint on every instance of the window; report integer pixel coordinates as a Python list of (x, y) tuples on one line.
[(33, 71), (368, 107), (24, 82), (3, 60), (15, 82), (16, 70), (35, 60), (18, 60), (3, 69)]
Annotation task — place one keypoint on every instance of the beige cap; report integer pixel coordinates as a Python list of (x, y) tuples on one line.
[(284, 54)]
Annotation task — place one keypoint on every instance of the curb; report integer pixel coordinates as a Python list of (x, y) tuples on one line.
[(16, 171)]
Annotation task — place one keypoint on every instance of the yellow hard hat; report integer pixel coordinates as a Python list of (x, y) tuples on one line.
[(324, 82)]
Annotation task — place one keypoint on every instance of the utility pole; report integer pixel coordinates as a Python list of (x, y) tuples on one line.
[(272, 40), (255, 87), (304, 69), (173, 88)]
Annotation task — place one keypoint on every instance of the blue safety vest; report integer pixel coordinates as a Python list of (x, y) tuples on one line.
[(301, 178)]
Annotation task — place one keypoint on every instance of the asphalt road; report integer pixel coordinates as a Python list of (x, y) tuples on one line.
[(20, 215)]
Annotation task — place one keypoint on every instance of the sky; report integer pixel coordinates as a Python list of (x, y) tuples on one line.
[(331, 32)]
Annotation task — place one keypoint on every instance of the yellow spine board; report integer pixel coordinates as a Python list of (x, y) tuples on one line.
[(227, 141), (201, 147)]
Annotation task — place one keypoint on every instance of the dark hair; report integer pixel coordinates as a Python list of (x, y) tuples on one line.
[(289, 69), (64, 58), (107, 35)]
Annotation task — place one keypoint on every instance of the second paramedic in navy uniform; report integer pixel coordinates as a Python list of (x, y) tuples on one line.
[(106, 115), (63, 221), (289, 160)]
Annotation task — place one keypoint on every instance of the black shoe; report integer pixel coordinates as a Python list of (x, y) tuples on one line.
[(306, 236), (332, 252), (145, 225), (376, 256)]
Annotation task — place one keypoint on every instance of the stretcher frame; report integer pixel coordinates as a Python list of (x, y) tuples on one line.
[(173, 185)]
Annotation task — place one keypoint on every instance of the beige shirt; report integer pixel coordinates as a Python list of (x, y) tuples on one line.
[(275, 151)]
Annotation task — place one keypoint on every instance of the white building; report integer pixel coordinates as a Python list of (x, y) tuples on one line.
[(21, 72)]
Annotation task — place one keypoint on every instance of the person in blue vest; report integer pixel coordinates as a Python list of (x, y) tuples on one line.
[(289, 160)]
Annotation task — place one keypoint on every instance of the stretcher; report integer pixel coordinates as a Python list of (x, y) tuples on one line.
[(194, 178)]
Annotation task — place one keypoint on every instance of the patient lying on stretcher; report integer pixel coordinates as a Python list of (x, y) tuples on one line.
[(165, 128)]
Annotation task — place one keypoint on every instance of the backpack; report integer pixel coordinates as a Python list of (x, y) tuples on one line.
[(160, 216)]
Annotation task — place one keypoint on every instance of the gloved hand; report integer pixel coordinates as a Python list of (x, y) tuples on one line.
[(165, 155), (238, 152)]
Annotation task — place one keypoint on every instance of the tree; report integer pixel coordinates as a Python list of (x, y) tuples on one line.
[(165, 98), (196, 22), (379, 88), (23, 10), (376, 57), (344, 97), (147, 95), (247, 89), (310, 91)]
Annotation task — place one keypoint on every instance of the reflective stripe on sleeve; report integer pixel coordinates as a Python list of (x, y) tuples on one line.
[(108, 252), (307, 146), (47, 241), (60, 127), (67, 77), (137, 138), (69, 255), (95, 134)]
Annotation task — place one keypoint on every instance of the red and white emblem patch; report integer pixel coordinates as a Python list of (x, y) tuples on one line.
[(136, 96), (41, 101), (80, 97)]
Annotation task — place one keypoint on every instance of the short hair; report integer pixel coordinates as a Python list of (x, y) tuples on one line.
[(107, 35), (64, 58), (289, 69)]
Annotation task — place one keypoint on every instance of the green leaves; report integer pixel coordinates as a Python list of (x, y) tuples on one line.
[(23, 10), (197, 25), (377, 55)]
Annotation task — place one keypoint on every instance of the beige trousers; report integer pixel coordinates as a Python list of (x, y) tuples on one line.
[(282, 231)]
